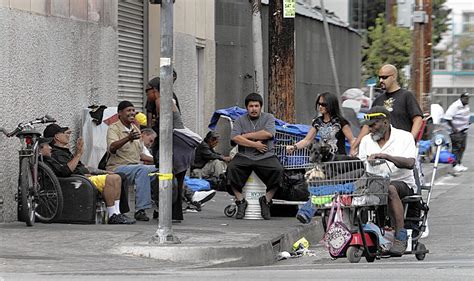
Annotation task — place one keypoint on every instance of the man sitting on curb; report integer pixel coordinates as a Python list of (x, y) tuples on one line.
[(126, 153), (208, 163), (64, 164), (254, 132), (398, 148)]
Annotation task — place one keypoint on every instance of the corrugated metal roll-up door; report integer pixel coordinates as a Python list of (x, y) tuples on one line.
[(131, 51)]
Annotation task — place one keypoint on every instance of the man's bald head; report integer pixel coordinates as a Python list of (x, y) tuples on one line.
[(388, 74), (390, 69)]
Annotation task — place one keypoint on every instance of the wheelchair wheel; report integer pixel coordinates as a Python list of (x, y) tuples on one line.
[(230, 211), (101, 213), (49, 195), (354, 254), (420, 247)]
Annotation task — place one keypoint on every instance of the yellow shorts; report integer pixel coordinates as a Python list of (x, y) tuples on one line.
[(98, 181)]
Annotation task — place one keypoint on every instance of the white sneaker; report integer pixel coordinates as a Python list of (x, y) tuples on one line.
[(426, 233), (458, 169), (203, 196), (464, 168)]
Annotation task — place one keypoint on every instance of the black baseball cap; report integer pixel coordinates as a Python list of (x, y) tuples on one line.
[(44, 140), (376, 113), (465, 94), (52, 129), (153, 84)]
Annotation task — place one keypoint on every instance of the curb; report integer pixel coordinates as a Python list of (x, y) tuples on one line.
[(254, 253), (259, 253)]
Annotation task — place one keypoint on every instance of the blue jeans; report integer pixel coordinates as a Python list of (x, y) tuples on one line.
[(307, 210), (138, 174)]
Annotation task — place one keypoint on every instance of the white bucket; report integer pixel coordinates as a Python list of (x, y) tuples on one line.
[(253, 189)]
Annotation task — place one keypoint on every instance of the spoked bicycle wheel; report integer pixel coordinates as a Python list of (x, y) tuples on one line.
[(26, 190), (49, 195)]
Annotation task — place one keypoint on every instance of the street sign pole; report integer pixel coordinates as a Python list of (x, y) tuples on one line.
[(164, 234)]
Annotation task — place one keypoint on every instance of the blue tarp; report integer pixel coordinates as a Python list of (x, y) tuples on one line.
[(235, 112), (424, 146), (347, 188), (232, 112), (197, 184)]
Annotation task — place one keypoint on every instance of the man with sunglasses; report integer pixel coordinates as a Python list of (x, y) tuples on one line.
[(405, 111), (64, 163), (398, 148)]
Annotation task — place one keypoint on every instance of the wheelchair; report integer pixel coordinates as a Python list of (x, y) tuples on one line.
[(365, 240)]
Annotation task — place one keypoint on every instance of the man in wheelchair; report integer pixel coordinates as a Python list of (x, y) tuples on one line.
[(64, 164), (398, 148)]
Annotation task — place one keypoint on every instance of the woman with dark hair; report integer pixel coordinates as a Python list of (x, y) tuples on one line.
[(332, 127), (333, 130)]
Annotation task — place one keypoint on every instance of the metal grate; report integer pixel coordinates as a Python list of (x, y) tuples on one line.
[(131, 46)]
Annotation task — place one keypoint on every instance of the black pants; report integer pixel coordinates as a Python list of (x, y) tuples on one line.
[(269, 170), (459, 142), (176, 197)]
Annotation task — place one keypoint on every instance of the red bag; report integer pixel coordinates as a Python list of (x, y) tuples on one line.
[(337, 234)]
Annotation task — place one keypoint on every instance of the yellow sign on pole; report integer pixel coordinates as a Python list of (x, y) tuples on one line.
[(289, 8)]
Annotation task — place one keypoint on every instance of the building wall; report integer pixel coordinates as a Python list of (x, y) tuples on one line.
[(313, 66), (193, 29), (56, 59), (452, 81), (234, 59)]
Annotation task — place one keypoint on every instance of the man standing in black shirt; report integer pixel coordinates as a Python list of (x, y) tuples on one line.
[(404, 110)]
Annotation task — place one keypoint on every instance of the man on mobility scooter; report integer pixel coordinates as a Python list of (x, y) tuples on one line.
[(398, 148)]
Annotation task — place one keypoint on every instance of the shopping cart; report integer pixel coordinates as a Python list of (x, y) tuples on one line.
[(299, 159), (358, 183)]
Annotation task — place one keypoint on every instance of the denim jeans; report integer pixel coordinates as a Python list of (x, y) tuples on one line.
[(138, 174), (307, 210)]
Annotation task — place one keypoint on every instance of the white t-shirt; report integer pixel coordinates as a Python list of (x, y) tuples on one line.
[(400, 143), (459, 115)]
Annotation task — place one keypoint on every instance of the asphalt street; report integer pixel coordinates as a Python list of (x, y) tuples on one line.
[(450, 244)]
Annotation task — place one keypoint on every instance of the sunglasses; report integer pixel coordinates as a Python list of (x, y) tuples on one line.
[(371, 116), (384, 77), (322, 104)]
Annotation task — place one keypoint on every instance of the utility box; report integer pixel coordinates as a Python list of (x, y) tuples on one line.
[(405, 9), (420, 17)]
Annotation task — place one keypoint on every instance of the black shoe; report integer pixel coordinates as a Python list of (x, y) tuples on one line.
[(155, 214), (265, 207), (140, 215), (127, 219), (116, 219), (241, 207), (302, 219)]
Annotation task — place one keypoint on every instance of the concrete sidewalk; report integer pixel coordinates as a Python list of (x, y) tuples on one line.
[(208, 238), (216, 240)]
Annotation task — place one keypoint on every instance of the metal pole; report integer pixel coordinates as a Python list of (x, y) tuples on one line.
[(257, 45), (164, 234), (331, 52)]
